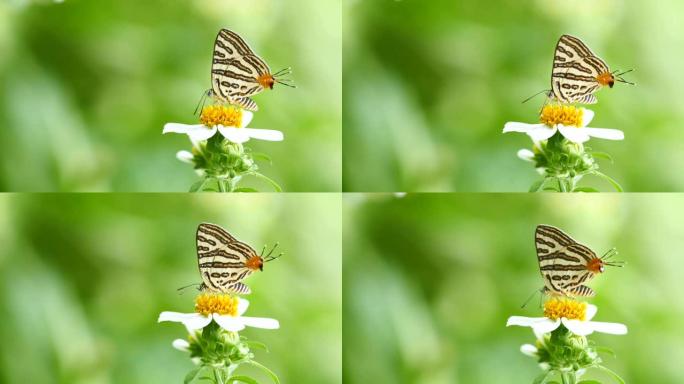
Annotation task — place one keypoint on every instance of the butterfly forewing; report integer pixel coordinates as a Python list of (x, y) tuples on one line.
[(236, 70), (575, 72), (563, 262), (222, 259)]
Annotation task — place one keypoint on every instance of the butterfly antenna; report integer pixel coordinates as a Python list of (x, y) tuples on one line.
[(271, 258), (616, 263), (271, 251), (285, 84), (618, 77), (610, 253), (535, 95), (263, 250), (284, 71)]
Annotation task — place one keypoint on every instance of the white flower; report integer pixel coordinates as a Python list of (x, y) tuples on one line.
[(542, 325), (523, 154), (577, 132), (185, 156), (181, 345), (236, 134), (195, 321), (526, 349)]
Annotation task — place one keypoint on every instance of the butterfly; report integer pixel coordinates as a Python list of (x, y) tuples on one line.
[(567, 265), (577, 73), (238, 73), (224, 261)]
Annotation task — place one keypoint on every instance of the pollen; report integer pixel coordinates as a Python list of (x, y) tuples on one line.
[(561, 114), (228, 116), (208, 303), (556, 308)]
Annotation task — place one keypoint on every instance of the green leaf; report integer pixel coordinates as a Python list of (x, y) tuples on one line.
[(262, 156), (263, 368), (191, 375), (611, 373), (585, 189), (536, 186), (609, 180), (197, 186), (245, 189), (605, 350), (241, 379), (602, 155), (257, 345), (542, 379), (275, 185)]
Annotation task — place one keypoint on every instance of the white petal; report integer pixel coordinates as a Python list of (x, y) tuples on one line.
[(235, 135), (541, 132), (540, 325), (591, 312), (261, 322), (192, 321), (246, 118), (612, 328), (181, 345), (177, 128), (605, 133), (514, 126), (185, 156), (201, 133), (264, 134), (243, 304), (522, 321), (578, 327), (229, 323), (526, 154), (574, 134), (529, 350), (174, 316), (587, 116), (545, 326)]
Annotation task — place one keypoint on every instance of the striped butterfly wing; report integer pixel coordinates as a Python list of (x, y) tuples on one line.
[(221, 259), (563, 262), (235, 70), (575, 71)]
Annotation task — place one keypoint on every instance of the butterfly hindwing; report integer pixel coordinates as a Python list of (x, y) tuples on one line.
[(221, 258), (575, 72), (562, 261), (236, 70)]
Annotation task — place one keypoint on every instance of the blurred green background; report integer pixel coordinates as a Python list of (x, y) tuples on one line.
[(86, 87), (428, 86), (84, 277), (429, 281)]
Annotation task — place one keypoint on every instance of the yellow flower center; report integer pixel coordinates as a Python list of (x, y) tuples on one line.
[(561, 114), (221, 115), (556, 308), (208, 303)]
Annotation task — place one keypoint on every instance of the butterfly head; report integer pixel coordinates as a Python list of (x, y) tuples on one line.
[(268, 80), (598, 264), (606, 78), (257, 261)]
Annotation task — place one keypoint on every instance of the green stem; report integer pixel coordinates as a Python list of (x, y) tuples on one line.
[(568, 377), (221, 185), (217, 376)]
